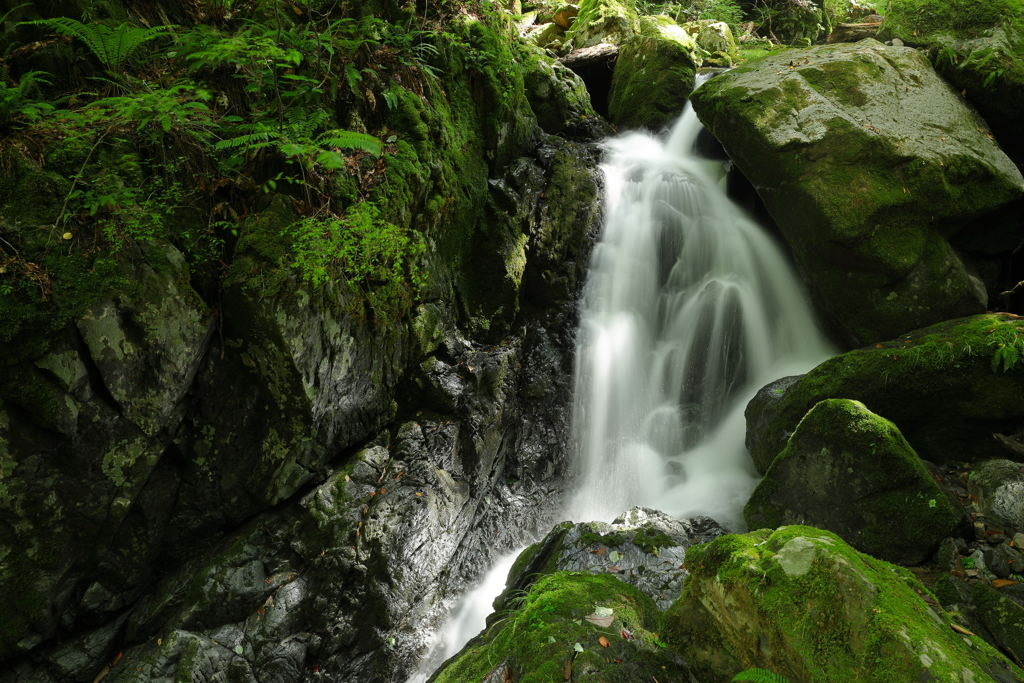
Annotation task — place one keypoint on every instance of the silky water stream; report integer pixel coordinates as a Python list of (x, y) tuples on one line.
[(689, 308)]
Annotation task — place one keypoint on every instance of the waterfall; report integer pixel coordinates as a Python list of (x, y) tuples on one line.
[(689, 308)]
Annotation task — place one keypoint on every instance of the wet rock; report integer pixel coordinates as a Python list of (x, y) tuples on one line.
[(850, 471), (1003, 617), (998, 488), (644, 548), (863, 190), (560, 100), (801, 603), (653, 76), (945, 387)]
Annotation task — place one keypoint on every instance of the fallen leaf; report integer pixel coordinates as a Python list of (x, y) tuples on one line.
[(603, 611), (602, 621), (568, 670), (615, 556), (399, 475), (999, 583), (67, 235), (961, 629), (577, 647), (604, 641), (419, 494)]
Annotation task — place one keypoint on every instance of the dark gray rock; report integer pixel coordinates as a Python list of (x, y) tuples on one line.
[(998, 488)]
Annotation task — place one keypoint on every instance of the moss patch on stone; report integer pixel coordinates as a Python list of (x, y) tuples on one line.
[(801, 603)]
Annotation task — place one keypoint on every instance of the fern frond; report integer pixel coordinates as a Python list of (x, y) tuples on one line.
[(756, 675), (347, 139), (254, 140), (112, 46)]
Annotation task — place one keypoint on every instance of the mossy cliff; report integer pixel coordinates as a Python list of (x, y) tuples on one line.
[(869, 163), (198, 327)]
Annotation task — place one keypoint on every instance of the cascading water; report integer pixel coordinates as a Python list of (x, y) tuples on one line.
[(689, 308)]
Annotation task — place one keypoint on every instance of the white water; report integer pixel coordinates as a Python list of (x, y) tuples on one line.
[(689, 308)]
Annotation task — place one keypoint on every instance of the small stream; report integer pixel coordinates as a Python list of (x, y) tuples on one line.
[(689, 308)]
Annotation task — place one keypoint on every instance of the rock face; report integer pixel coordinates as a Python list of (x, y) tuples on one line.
[(653, 76), (869, 162), (946, 387), (851, 472), (804, 605), (231, 471), (978, 47)]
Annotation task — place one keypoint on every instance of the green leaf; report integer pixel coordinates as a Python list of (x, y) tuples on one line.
[(578, 647)]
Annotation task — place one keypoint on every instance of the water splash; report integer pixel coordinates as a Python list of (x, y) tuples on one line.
[(689, 308)]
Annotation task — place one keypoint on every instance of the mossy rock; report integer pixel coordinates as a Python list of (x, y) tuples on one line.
[(851, 472), (997, 486), (653, 76), (604, 21), (940, 386), (978, 47), (560, 100), (548, 637), (801, 603), (868, 162)]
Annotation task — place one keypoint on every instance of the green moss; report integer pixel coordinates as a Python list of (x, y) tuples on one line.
[(801, 603), (539, 638), (653, 77)]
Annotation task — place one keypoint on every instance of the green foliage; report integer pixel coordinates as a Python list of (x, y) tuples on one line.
[(715, 10), (759, 676), (1009, 347), (156, 111), (368, 253), (16, 102), (112, 46)]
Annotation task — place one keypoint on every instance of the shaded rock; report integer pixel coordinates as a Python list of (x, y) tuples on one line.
[(978, 47), (653, 76), (556, 631), (801, 603), (1003, 617), (866, 187), (565, 15), (603, 21), (944, 387), (998, 488), (644, 548), (851, 33), (602, 53), (560, 100), (851, 472)]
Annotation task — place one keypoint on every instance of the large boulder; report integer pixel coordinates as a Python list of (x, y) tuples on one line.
[(570, 626), (603, 21), (948, 388), (869, 162), (978, 47), (559, 99), (653, 76), (997, 487), (803, 604), (642, 547), (851, 472)]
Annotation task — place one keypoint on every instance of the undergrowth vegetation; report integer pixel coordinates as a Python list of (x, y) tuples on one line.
[(180, 133)]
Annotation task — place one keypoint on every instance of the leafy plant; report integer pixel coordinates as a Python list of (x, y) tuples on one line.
[(16, 102), (366, 252), (112, 46), (1009, 347), (756, 675), (157, 111)]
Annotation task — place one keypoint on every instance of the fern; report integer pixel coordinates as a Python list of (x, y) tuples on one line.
[(759, 676), (348, 139), (1009, 348), (112, 46), (15, 102)]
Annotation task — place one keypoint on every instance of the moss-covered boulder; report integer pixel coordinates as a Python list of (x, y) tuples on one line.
[(603, 21), (978, 47), (851, 472), (716, 44), (642, 547), (559, 99), (868, 161), (1003, 617), (653, 75), (803, 604), (570, 626), (947, 388)]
